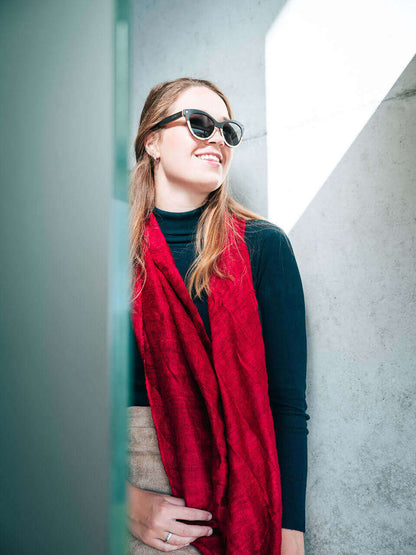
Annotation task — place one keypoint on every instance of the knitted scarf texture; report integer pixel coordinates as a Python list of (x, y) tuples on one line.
[(209, 397)]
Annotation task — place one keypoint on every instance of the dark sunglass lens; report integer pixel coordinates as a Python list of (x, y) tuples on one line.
[(202, 126), (232, 133)]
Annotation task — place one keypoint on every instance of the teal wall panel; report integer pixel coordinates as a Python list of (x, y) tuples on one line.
[(58, 191)]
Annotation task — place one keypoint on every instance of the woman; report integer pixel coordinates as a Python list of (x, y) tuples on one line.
[(218, 317)]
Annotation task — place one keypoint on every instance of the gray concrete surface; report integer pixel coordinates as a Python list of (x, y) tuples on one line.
[(356, 249)]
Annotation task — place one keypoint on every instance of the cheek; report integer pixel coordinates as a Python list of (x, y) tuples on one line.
[(178, 161), (174, 144), (227, 165), (175, 153)]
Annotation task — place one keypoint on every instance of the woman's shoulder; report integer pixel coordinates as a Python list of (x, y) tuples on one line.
[(263, 227), (272, 257), (263, 234)]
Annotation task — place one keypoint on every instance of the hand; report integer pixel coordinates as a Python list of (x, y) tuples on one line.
[(153, 515), (292, 542)]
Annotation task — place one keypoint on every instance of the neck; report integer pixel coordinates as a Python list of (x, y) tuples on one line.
[(177, 197), (178, 227), (179, 205)]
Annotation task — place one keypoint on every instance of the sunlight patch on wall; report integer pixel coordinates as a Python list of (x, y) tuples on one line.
[(328, 66)]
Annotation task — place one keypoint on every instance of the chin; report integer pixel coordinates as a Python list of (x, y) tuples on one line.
[(204, 185), (210, 188)]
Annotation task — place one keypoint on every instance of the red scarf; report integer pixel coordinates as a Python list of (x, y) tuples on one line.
[(209, 399)]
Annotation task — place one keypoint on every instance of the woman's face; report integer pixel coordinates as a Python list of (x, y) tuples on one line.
[(180, 170)]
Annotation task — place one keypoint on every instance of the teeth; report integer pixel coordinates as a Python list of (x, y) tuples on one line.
[(209, 157)]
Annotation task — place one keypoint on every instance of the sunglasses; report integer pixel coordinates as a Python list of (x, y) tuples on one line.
[(202, 126)]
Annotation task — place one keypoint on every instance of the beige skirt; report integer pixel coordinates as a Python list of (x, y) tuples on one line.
[(146, 470)]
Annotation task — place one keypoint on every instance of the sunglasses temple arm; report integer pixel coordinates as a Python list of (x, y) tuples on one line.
[(177, 115)]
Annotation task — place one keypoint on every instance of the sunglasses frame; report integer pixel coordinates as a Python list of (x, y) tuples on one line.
[(186, 112)]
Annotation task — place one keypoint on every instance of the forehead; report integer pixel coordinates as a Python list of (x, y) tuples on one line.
[(201, 98)]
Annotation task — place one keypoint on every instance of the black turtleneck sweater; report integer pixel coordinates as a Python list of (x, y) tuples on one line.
[(280, 298)]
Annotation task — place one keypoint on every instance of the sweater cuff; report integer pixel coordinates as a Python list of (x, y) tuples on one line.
[(292, 454)]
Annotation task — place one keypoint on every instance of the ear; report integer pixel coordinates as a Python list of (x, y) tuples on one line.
[(151, 144)]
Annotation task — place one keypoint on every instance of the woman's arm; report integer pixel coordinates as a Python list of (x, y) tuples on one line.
[(137, 391), (282, 310)]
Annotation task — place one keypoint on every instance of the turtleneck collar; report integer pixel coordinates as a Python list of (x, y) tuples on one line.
[(178, 227)]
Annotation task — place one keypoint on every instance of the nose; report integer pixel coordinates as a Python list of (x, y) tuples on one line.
[(217, 136)]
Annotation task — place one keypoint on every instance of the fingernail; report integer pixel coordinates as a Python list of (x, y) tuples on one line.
[(210, 516), (210, 532)]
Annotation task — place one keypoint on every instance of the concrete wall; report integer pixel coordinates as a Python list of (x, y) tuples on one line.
[(356, 248), (56, 182)]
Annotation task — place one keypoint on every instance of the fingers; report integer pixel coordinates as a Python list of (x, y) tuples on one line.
[(163, 546), (189, 513), (175, 500), (178, 541), (175, 541), (189, 530)]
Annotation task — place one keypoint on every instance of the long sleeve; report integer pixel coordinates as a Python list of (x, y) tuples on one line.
[(137, 391), (282, 311)]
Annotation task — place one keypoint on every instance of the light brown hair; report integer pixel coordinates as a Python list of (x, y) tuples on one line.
[(215, 219)]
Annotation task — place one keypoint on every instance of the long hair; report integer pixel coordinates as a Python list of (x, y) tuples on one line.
[(215, 219)]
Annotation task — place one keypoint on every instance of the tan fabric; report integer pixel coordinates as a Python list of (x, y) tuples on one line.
[(146, 470)]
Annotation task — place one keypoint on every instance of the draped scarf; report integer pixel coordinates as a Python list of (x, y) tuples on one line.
[(209, 397)]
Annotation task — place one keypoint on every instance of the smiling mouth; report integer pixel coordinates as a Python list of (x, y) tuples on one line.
[(212, 161)]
